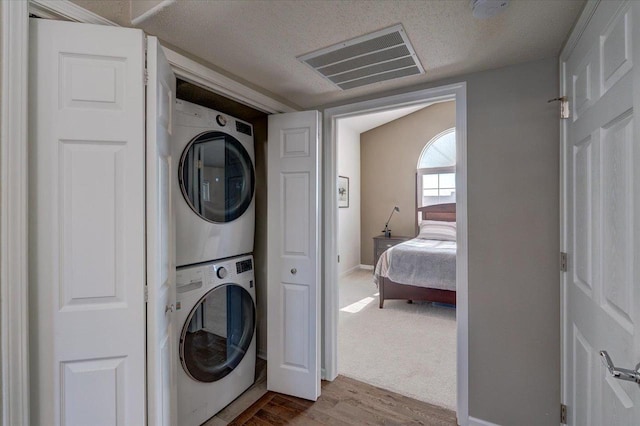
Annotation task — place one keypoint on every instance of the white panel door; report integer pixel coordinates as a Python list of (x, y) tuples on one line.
[(602, 232), (293, 288), (161, 269), (87, 212)]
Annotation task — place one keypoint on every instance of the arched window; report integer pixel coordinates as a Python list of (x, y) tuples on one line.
[(437, 170)]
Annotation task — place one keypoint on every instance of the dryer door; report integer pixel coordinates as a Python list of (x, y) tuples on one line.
[(216, 177), (217, 333)]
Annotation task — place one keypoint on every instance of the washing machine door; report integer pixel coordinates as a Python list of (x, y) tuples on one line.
[(216, 177), (217, 333)]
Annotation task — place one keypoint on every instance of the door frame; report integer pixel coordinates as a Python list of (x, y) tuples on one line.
[(14, 323), (458, 93), (575, 35), (14, 301)]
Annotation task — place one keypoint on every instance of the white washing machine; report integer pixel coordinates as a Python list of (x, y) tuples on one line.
[(213, 160), (216, 310)]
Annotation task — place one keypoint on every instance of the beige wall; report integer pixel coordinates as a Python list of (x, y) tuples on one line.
[(513, 215), (389, 155)]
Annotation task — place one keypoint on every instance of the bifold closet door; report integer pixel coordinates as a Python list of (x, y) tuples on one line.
[(162, 340), (293, 289), (87, 224)]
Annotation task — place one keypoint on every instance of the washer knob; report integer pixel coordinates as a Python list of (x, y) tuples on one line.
[(222, 120), (222, 272)]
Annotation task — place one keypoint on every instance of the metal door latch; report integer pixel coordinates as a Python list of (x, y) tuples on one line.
[(620, 373), (564, 105)]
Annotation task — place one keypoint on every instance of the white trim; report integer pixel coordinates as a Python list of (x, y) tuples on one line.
[(455, 92), (576, 33), (367, 267), (185, 68), (563, 247), (14, 279), (153, 11), (194, 72), (479, 422), (66, 10)]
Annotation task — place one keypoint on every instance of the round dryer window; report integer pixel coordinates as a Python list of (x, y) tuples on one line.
[(217, 333), (216, 177)]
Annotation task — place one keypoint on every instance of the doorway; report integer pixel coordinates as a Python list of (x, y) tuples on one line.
[(378, 155), (331, 293)]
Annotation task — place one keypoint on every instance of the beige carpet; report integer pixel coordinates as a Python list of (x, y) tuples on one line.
[(406, 348)]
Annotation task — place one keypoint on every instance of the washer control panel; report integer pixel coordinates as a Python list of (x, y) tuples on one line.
[(244, 266), (222, 272)]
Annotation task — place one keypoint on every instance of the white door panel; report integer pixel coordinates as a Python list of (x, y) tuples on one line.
[(87, 224), (293, 293), (602, 198), (161, 328)]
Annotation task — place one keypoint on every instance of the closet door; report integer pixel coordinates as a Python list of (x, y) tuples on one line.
[(293, 293), (87, 224), (161, 260)]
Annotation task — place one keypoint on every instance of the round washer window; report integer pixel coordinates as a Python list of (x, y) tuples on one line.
[(216, 177), (217, 333)]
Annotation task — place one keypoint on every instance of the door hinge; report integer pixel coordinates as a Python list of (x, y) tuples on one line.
[(564, 106), (563, 414), (146, 77), (146, 293), (563, 262), (338, 258)]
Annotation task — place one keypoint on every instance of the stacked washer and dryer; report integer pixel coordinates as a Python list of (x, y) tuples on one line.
[(215, 221)]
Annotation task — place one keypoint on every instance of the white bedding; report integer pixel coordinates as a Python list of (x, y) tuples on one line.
[(421, 263)]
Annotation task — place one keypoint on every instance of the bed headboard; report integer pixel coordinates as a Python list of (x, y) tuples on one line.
[(441, 212)]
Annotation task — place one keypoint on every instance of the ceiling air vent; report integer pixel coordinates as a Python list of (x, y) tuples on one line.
[(372, 58)]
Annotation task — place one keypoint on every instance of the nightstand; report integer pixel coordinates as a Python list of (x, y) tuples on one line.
[(382, 243)]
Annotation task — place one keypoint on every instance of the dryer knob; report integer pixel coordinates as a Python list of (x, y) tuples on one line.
[(222, 272), (222, 120)]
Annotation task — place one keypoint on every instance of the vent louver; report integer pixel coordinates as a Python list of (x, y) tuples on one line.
[(380, 56)]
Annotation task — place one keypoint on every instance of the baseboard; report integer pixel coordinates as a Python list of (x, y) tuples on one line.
[(350, 270), (262, 355), (367, 267), (478, 422)]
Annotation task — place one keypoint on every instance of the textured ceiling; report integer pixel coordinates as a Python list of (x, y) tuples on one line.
[(364, 122), (258, 41)]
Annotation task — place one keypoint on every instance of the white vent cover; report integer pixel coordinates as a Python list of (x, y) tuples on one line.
[(372, 58)]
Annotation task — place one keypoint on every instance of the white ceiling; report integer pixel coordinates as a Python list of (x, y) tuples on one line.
[(365, 122), (258, 41)]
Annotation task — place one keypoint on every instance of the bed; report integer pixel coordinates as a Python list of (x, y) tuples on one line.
[(413, 283)]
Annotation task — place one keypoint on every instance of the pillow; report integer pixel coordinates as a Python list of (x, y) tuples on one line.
[(437, 230)]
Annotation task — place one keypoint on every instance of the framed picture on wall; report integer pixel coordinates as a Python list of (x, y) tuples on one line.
[(343, 192)]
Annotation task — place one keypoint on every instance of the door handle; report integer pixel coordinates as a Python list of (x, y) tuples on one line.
[(619, 373), (294, 271)]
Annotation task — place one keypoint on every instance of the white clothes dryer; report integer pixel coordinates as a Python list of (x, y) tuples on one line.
[(215, 307), (214, 178)]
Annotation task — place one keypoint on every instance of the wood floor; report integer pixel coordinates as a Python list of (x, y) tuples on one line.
[(345, 401)]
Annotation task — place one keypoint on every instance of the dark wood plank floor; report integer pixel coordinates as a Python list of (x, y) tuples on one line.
[(345, 401)]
